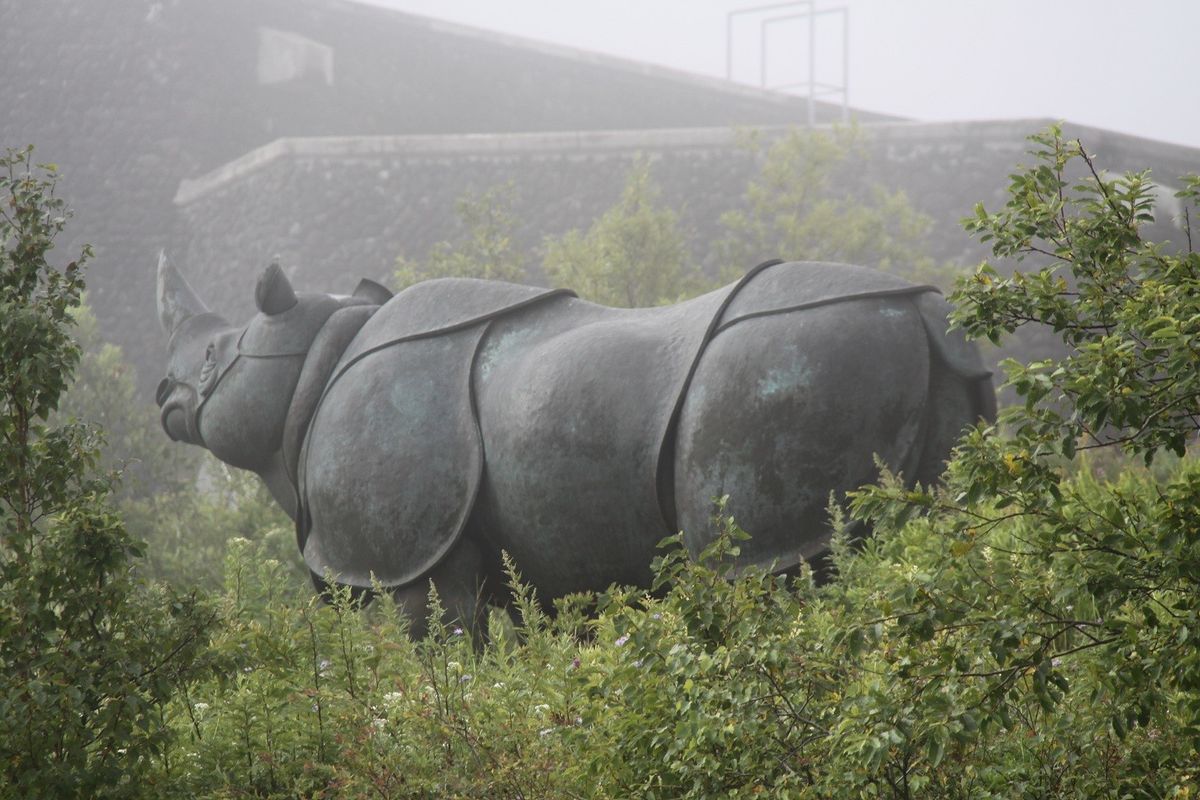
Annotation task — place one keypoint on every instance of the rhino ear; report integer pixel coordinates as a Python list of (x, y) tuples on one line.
[(274, 293), (372, 292)]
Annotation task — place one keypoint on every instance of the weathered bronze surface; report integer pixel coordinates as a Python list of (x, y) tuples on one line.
[(416, 437)]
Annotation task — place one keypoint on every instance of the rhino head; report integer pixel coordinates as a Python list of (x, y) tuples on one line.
[(229, 389)]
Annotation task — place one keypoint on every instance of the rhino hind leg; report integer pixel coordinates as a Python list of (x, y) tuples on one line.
[(955, 402), (785, 409), (961, 392)]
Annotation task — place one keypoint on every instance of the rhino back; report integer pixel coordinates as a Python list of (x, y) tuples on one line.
[(441, 306)]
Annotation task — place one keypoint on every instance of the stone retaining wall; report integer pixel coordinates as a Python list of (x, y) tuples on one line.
[(337, 208)]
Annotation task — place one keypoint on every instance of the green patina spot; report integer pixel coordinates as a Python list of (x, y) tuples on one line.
[(784, 379)]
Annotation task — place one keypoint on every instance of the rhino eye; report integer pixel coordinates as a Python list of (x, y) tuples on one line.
[(209, 371)]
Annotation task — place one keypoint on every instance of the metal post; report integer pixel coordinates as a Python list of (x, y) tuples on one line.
[(762, 56), (729, 45), (751, 10), (813, 86), (812, 68), (845, 65), (810, 14)]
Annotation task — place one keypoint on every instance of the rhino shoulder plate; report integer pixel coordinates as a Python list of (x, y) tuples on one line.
[(392, 460)]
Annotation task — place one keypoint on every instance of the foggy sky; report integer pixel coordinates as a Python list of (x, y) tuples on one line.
[(1125, 65)]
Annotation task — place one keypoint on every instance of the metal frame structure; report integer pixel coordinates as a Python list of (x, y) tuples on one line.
[(799, 10)]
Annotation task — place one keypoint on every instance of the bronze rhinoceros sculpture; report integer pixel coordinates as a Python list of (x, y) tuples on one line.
[(416, 437)]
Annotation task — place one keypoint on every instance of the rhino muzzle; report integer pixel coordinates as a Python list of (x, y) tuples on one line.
[(178, 404)]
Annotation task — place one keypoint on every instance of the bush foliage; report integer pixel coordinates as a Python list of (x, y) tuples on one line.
[(89, 657), (808, 203), (633, 255), (487, 251)]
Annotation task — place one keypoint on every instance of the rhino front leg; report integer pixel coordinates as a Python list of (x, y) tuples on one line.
[(460, 582)]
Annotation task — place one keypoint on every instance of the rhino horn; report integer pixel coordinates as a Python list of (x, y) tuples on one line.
[(274, 293), (176, 299)]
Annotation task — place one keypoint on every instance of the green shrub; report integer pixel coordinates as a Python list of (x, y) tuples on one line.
[(809, 203), (487, 249), (633, 255), (89, 657), (1045, 598)]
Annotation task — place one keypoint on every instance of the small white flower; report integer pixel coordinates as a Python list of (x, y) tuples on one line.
[(545, 731), (379, 723), (391, 698), (200, 708), (622, 640), (540, 709)]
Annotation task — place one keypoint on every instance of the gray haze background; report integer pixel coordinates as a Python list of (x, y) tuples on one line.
[(1125, 65)]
